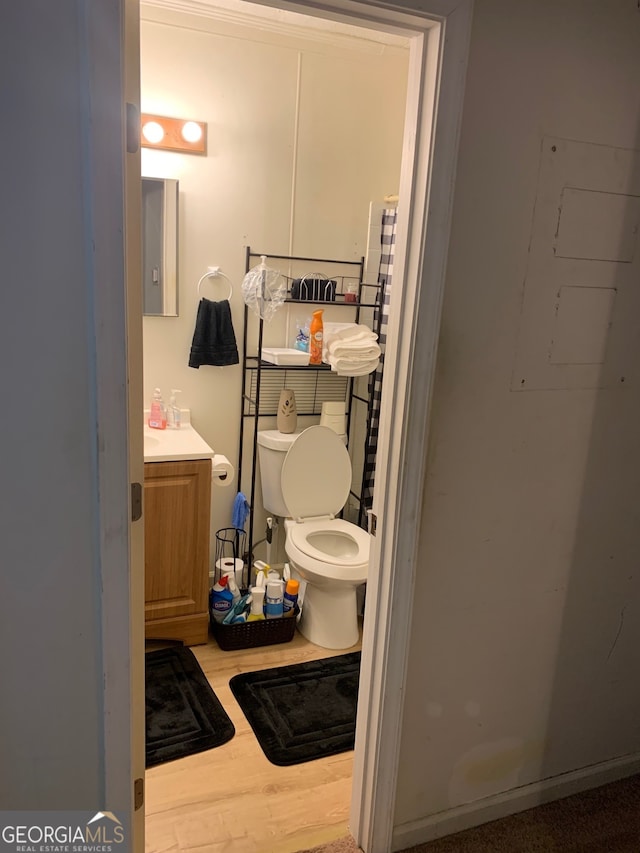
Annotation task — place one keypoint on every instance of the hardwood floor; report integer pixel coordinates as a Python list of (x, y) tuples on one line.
[(232, 798)]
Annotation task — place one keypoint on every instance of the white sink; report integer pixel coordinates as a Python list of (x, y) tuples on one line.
[(174, 445)]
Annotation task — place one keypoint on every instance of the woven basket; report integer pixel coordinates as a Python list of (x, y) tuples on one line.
[(247, 635)]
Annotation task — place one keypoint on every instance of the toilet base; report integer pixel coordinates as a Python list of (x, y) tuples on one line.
[(330, 617)]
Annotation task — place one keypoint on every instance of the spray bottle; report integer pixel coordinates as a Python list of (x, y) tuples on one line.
[(290, 599), (220, 599), (316, 335), (257, 604)]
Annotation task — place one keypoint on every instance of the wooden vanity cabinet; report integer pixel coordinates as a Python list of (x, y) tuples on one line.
[(177, 505)]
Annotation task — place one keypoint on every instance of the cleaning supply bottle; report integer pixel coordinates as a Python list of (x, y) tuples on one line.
[(261, 570), (257, 604), (238, 612), (316, 334), (232, 586), (290, 597), (158, 414), (273, 602), (220, 599), (173, 412)]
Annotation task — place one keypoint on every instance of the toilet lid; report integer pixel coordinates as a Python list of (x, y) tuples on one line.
[(316, 474)]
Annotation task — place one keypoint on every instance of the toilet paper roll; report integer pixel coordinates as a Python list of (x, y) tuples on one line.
[(227, 564), (222, 471)]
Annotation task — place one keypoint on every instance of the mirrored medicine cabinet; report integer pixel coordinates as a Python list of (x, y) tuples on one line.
[(160, 247)]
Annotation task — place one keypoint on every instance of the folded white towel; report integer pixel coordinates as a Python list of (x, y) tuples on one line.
[(347, 331), (346, 361), (346, 334), (363, 371), (354, 349), (352, 367), (344, 330)]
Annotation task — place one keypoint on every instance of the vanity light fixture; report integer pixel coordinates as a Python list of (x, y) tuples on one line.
[(173, 134)]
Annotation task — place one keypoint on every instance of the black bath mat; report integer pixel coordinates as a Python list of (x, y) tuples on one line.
[(183, 714), (304, 711)]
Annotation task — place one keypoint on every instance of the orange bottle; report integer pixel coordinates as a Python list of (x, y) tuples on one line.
[(315, 337)]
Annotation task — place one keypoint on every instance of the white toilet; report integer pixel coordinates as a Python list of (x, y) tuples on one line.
[(306, 478)]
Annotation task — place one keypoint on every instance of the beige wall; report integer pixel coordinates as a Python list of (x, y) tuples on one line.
[(291, 168), (523, 653)]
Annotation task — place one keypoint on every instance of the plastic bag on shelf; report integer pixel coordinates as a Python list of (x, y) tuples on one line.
[(264, 290), (301, 341)]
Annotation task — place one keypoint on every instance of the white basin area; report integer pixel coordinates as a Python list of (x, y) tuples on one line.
[(174, 445)]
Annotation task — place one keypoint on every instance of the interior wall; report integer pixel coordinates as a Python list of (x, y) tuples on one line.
[(302, 134), (525, 623)]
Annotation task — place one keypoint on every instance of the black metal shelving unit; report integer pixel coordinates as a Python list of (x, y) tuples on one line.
[(313, 384)]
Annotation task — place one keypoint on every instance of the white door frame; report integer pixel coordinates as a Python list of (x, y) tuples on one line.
[(440, 32), (437, 75)]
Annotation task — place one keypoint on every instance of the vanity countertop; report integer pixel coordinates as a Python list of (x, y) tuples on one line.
[(174, 445)]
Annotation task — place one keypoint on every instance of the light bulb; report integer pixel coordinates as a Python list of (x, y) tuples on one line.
[(153, 132), (191, 131)]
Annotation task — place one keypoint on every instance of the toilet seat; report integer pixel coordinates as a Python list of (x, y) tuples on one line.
[(301, 551), (315, 481), (331, 541), (346, 543)]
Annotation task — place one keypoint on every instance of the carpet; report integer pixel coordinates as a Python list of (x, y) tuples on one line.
[(183, 714), (304, 711), (603, 820)]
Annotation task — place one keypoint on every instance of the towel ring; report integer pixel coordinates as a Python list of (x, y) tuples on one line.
[(216, 274)]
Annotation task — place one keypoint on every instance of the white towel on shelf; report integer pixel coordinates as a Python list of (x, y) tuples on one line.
[(353, 367), (357, 349), (347, 331), (355, 335)]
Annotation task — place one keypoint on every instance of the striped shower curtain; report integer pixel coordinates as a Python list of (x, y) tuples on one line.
[(380, 320)]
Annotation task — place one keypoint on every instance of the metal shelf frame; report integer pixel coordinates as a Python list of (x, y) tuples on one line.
[(256, 373)]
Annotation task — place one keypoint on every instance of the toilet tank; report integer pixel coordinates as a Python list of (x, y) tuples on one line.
[(272, 449)]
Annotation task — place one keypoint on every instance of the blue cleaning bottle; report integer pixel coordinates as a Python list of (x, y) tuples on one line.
[(273, 607), (220, 599)]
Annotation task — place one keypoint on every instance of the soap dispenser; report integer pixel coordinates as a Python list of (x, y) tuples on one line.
[(173, 413), (158, 414)]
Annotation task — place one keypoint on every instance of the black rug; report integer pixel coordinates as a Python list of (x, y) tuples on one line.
[(183, 714), (304, 711)]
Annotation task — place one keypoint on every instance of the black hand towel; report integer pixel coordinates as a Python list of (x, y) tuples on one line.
[(214, 341)]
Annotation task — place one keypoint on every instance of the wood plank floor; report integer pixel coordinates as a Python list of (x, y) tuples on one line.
[(232, 798)]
